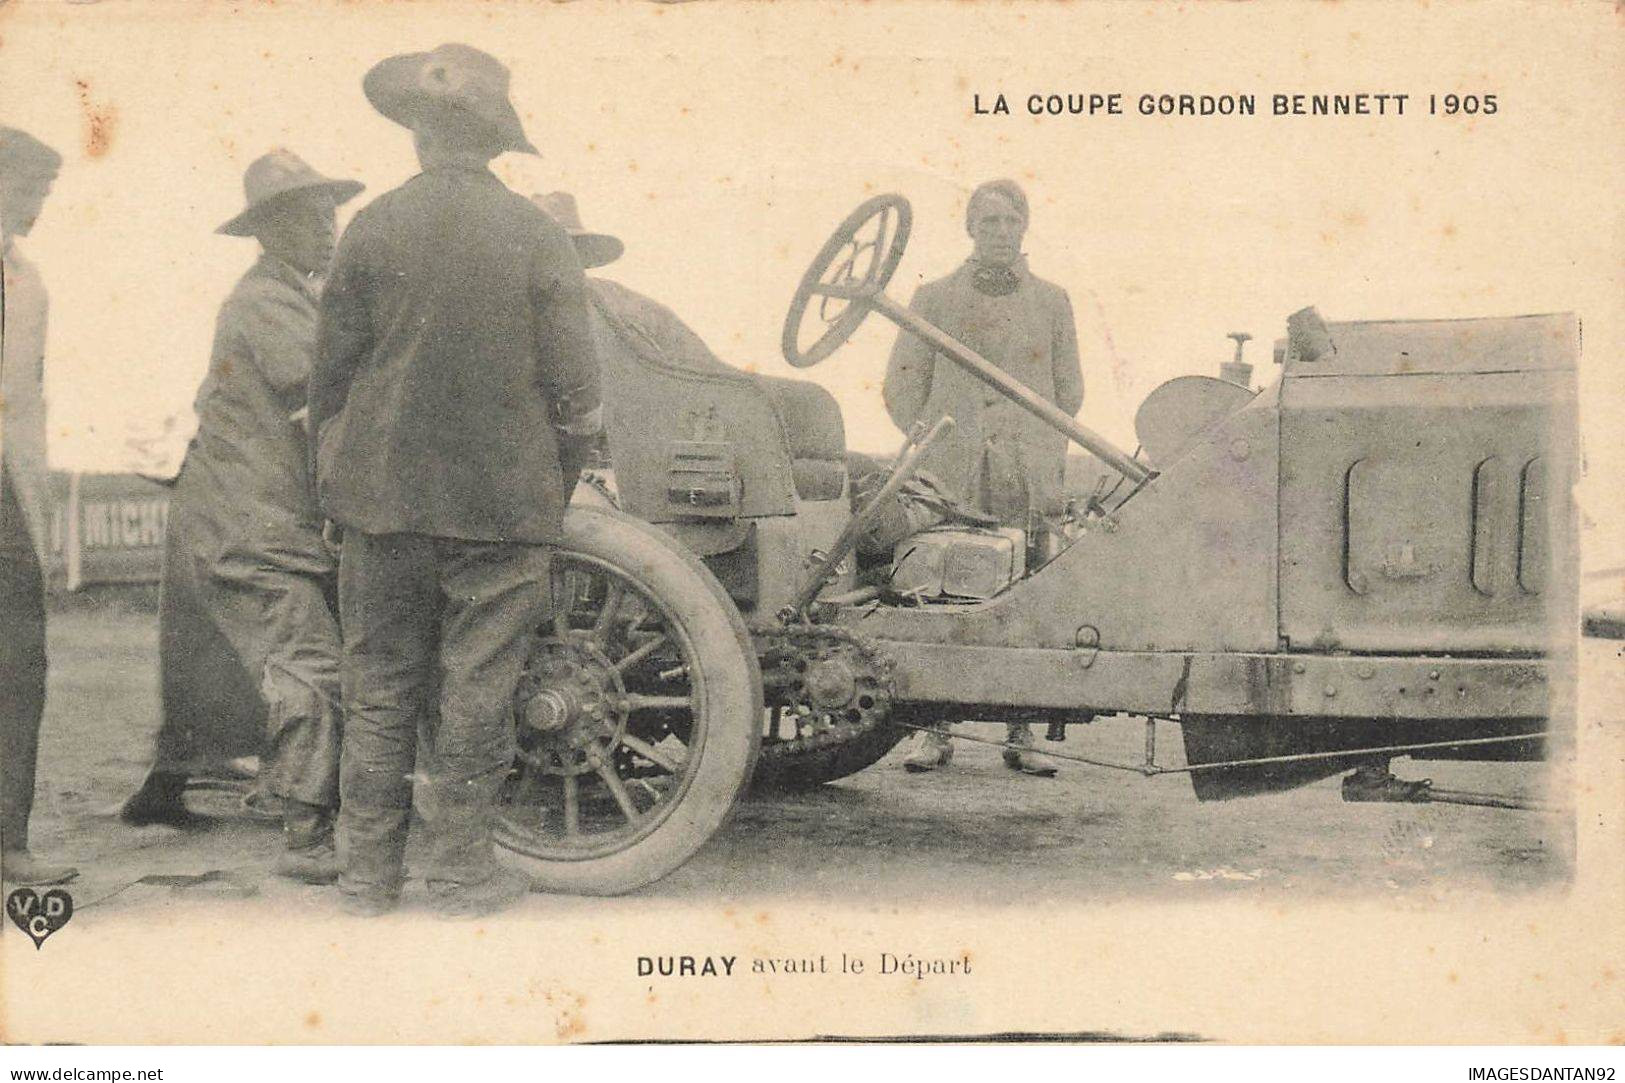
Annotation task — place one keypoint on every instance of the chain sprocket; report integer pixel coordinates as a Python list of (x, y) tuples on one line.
[(825, 687)]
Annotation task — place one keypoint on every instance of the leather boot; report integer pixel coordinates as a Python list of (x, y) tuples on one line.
[(160, 801), (307, 831), (929, 750), (22, 869), (372, 856), (504, 889), (1020, 733), (368, 904), (463, 878)]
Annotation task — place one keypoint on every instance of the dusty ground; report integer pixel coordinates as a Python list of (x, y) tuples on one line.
[(974, 833)]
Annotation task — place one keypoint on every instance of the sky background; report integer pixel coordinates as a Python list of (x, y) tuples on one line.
[(724, 142)]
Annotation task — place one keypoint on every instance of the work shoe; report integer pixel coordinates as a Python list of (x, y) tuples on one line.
[(160, 801), (928, 750), (315, 864), (506, 888), (368, 904), (22, 869), (307, 833), (1019, 733)]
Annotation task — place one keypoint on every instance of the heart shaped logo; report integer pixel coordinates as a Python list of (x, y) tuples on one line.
[(39, 915)]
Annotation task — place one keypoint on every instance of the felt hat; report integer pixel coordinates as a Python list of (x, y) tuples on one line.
[(452, 84), (595, 249), (272, 176)]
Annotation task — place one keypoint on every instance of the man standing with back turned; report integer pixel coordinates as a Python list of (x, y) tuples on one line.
[(454, 390)]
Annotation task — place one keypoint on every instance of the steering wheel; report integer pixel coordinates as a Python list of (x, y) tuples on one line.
[(854, 265)]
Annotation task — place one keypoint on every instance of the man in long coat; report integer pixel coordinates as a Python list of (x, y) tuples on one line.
[(27, 170), (999, 457), (454, 390), (245, 561)]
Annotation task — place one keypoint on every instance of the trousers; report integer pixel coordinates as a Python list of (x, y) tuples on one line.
[(436, 634), (301, 681), (22, 668), (251, 661)]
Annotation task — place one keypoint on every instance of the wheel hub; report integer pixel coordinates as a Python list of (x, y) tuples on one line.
[(553, 709), (571, 703), (830, 683)]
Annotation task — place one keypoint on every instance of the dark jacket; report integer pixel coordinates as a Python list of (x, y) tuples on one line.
[(246, 479), (999, 458), (453, 340)]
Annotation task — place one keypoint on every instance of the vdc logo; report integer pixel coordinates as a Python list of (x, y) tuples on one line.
[(39, 915)]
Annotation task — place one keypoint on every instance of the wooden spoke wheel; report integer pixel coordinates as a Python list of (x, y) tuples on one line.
[(637, 715)]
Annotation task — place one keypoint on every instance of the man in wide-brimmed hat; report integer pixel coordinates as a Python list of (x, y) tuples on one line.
[(593, 248), (455, 387), (247, 576), (27, 170)]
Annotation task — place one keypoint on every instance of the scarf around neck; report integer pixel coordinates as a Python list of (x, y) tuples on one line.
[(996, 281)]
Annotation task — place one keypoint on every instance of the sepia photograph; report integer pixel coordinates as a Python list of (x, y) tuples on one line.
[(727, 522)]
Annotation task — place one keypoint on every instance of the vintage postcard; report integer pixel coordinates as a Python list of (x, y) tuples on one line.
[(560, 523)]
